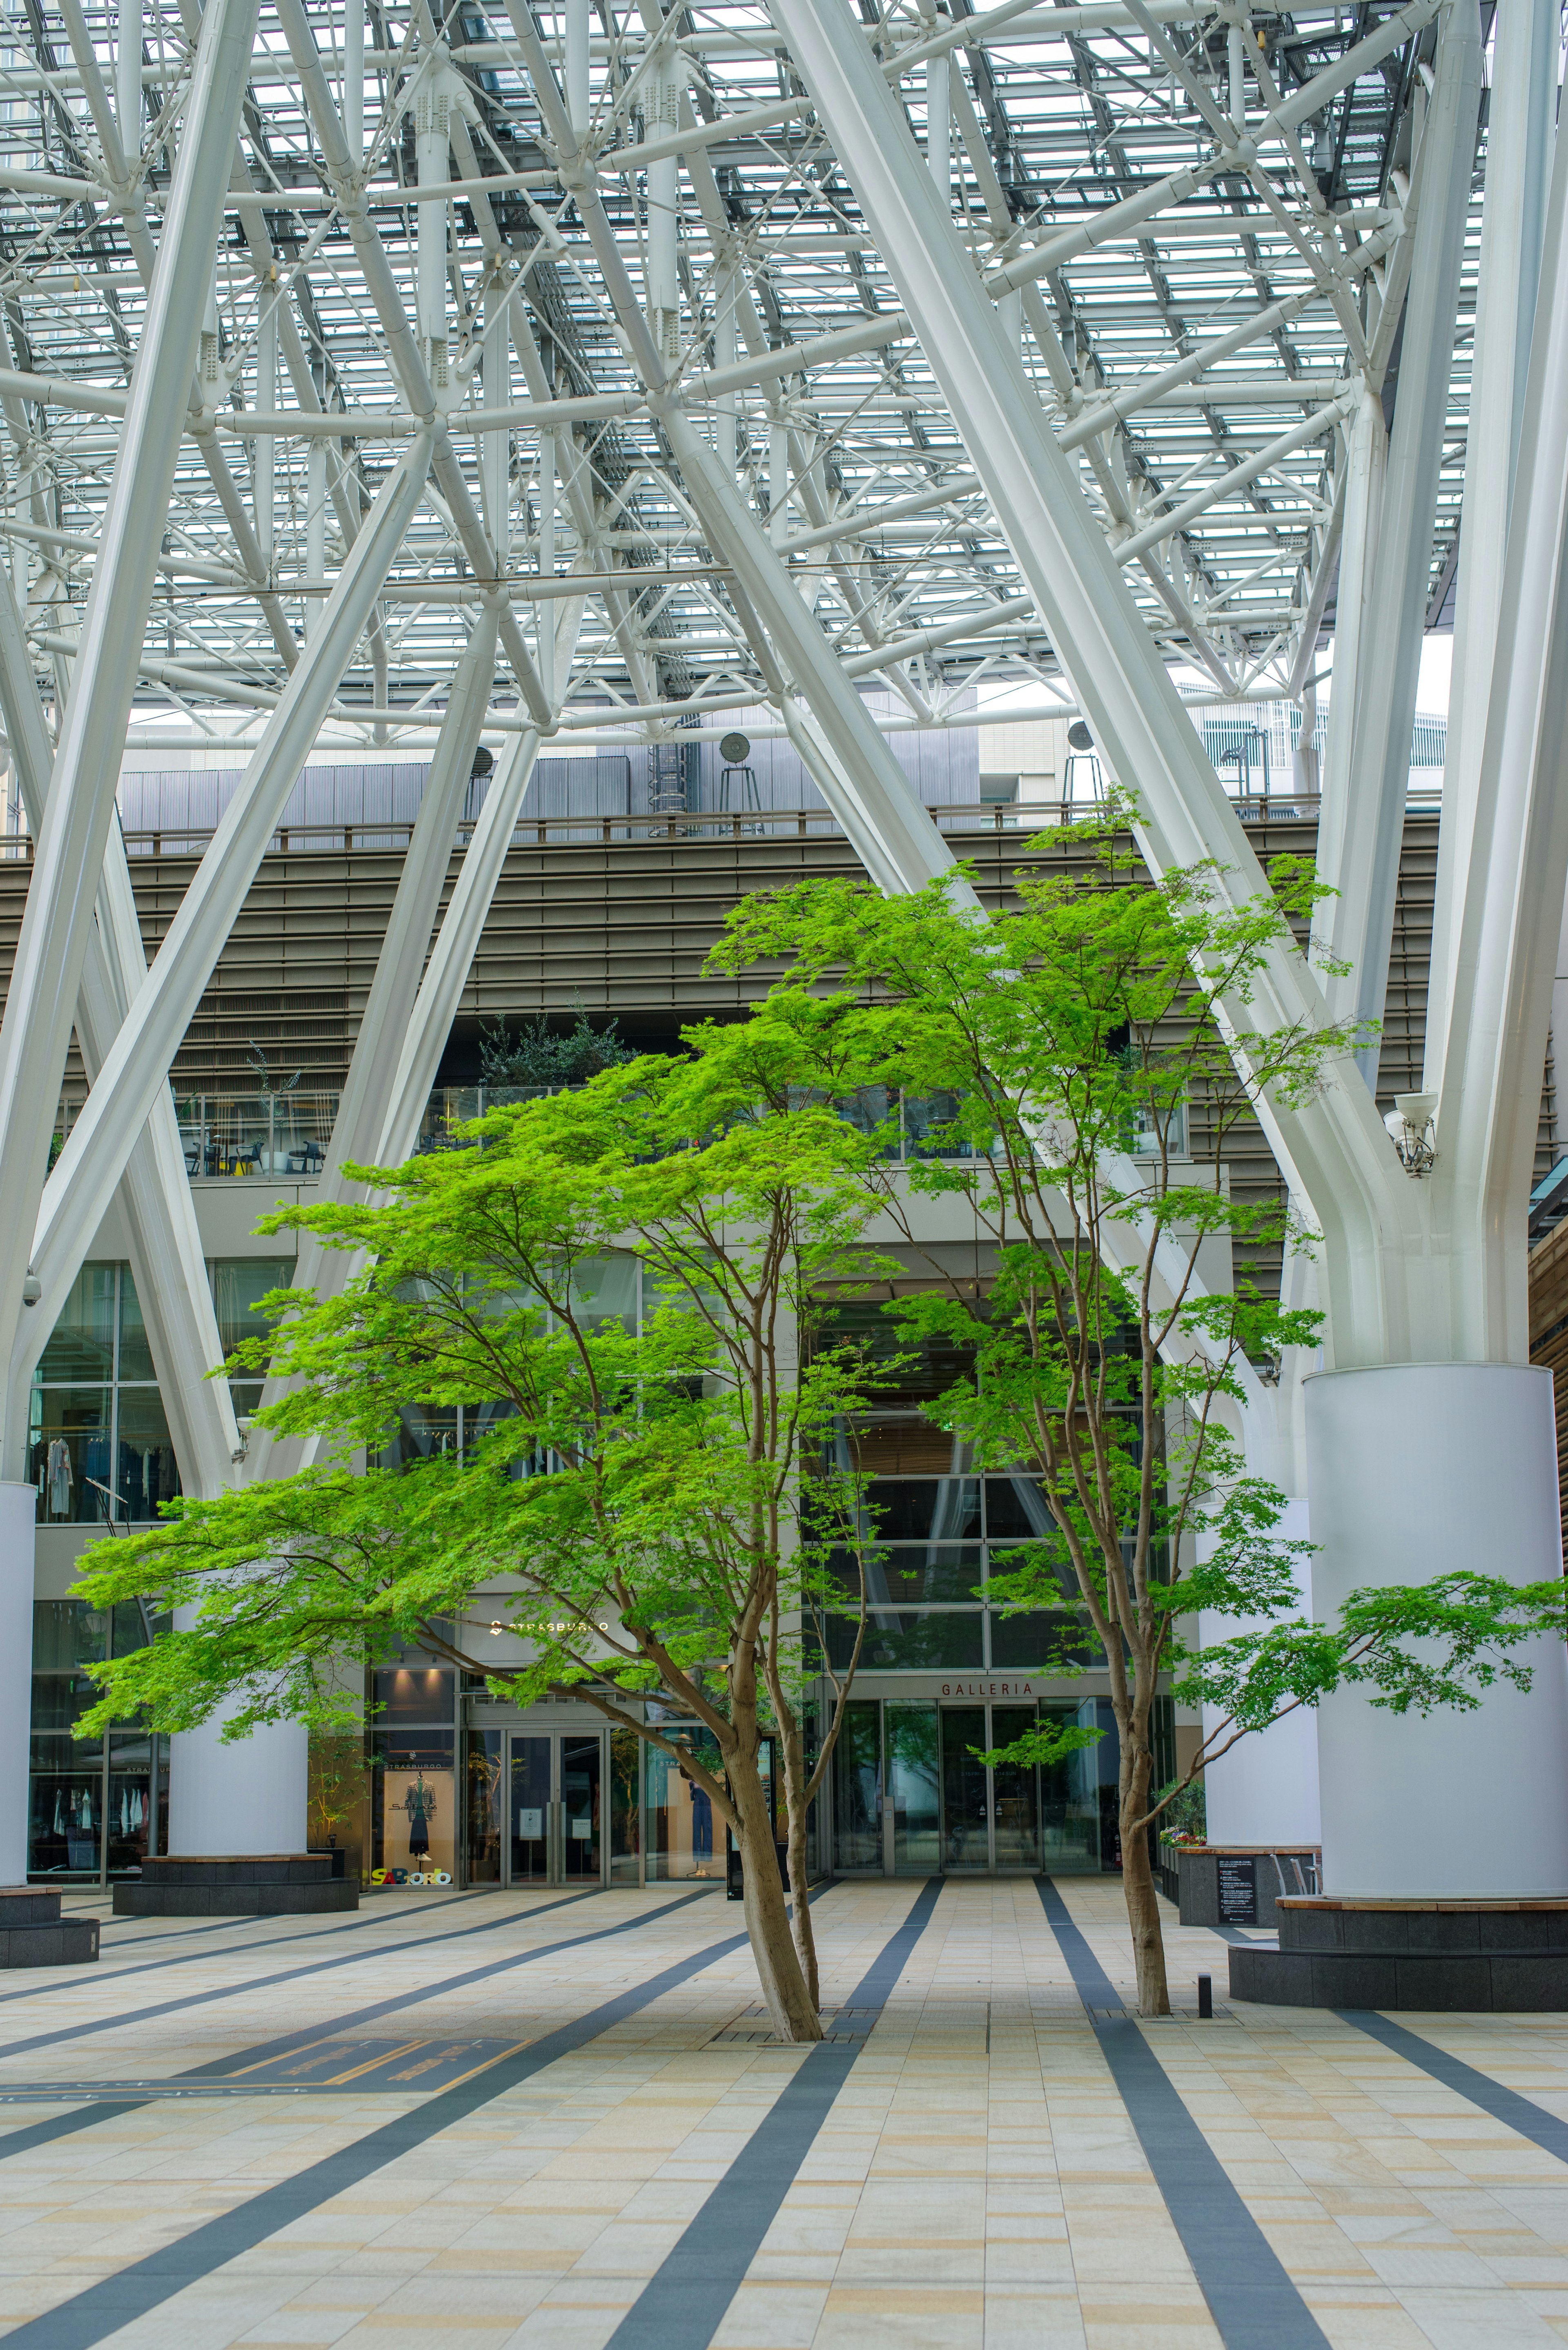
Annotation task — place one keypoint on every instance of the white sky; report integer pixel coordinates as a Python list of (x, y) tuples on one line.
[(1431, 694)]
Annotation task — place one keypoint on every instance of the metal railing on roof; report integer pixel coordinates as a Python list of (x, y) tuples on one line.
[(695, 824)]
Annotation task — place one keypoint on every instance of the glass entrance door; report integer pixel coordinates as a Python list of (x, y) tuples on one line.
[(912, 1798), (556, 1789), (533, 1811), (966, 1805), (582, 1846)]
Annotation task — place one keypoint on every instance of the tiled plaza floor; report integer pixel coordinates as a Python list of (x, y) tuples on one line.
[(977, 2179)]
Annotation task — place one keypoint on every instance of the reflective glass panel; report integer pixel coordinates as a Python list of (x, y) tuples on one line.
[(1015, 1794), (67, 1632), (625, 1806), (81, 1345), (147, 1473), (238, 1282), (857, 1789), (135, 1352), (582, 1818), (486, 1806), (913, 1641), (681, 1827), (924, 1509), (530, 1821), (914, 1789), (64, 1821), (965, 1841), (1070, 1800)]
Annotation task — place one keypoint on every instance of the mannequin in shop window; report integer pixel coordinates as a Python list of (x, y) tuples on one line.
[(420, 1803), (57, 1478), (702, 1827)]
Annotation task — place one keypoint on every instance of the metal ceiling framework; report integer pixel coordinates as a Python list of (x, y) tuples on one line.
[(378, 376), (1198, 289)]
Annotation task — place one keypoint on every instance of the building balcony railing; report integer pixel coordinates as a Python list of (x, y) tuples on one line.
[(694, 824)]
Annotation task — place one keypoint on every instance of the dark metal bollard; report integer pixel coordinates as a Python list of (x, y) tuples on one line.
[(1205, 1998)]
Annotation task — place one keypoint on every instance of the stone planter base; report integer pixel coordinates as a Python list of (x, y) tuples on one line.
[(34, 1934), (255, 1884), (1429, 1955)]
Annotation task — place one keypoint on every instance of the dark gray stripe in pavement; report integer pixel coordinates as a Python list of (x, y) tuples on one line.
[(1505, 2105), (258, 1983), (266, 2051), (88, 2317), (682, 2306), (1249, 2294), (32, 2134), (71, 1979)]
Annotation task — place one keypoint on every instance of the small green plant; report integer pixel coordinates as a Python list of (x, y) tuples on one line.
[(1186, 1819), (532, 1056)]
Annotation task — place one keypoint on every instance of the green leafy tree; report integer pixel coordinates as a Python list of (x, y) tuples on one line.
[(1059, 1048), (635, 1484)]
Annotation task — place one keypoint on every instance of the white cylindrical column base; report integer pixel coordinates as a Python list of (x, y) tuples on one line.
[(1264, 1791), (246, 1798), (1414, 1470), (18, 1519)]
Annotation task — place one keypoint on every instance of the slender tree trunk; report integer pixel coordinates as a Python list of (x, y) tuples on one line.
[(791, 2002), (1138, 1873), (805, 1933), (791, 1735)]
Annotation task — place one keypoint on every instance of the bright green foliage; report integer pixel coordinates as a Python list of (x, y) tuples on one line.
[(662, 1551), (1071, 1042)]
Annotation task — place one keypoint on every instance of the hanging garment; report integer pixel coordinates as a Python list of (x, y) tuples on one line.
[(420, 1803), (124, 1813), (59, 1827), (59, 1476)]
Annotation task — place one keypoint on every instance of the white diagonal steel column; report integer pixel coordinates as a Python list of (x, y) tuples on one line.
[(89, 1166), (1520, 131), (452, 954), (1368, 833), (1335, 1150), (165, 1246), (390, 1008), (47, 975), (1511, 912)]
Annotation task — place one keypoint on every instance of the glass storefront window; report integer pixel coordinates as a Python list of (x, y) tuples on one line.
[(146, 1471), (81, 1345), (624, 1806), (681, 1824), (96, 1808), (913, 1768), (486, 1804), (99, 1452), (69, 1453)]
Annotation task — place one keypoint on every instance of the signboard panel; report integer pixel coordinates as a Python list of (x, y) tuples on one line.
[(1238, 1883)]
